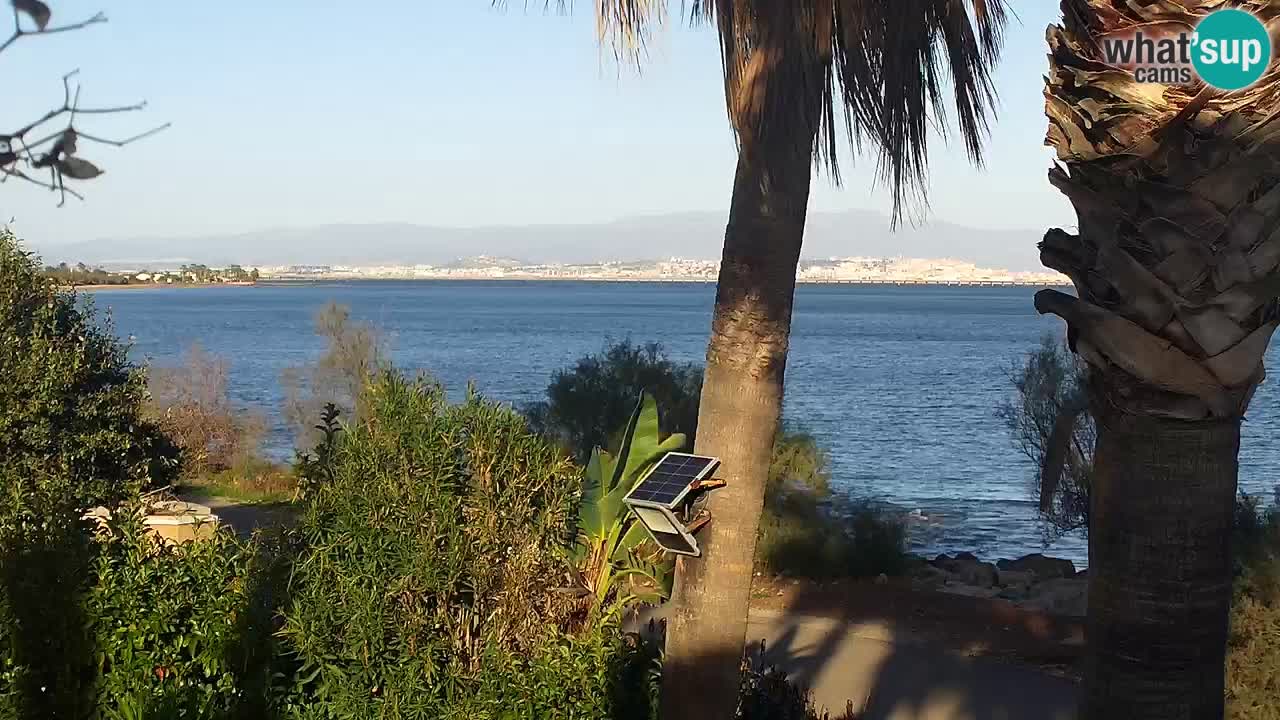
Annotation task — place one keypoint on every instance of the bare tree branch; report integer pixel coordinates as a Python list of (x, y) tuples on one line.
[(57, 185), (18, 32), (94, 138), (60, 146)]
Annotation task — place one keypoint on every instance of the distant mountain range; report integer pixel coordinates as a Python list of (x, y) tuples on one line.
[(690, 235)]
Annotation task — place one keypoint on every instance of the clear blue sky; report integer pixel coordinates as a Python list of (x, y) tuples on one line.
[(448, 112)]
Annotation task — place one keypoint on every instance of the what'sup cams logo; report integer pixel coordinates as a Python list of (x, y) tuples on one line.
[(1229, 50)]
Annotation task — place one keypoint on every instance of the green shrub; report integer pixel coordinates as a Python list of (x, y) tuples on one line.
[(587, 403), (71, 404), (142, 630), (172, 624), (800, 536), (613, 554), (428, 583), (72, 435), (1253, 658)]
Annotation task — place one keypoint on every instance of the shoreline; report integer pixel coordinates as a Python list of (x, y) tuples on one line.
[(655, 281), (156, 286)]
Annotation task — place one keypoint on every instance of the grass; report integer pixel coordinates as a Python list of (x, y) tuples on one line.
[(251, 482)]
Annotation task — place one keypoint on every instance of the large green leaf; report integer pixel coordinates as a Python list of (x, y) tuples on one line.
[(645, 448), (636, 535), (640, 449), (591, 520), (629, 437)]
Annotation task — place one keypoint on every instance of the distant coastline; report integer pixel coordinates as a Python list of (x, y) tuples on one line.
[(302, 281), (281, 281), (149, 286)]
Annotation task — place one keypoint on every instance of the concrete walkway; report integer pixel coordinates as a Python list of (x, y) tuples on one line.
[(893, 678)]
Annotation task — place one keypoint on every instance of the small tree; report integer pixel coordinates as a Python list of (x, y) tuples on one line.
[(1050, 424), (593, 398), (353, 354), (190, 402)]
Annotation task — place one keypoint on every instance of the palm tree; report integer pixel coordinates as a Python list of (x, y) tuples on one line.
[(1175, 268), (799, 75)]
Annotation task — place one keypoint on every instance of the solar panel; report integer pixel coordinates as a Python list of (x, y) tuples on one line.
[(670, 479), (669, 535)]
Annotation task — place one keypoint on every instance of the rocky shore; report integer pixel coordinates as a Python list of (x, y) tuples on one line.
[(1034, 582)]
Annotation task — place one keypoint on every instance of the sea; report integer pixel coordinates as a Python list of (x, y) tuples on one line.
[(899, 383)]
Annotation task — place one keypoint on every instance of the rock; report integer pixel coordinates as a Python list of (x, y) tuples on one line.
[(882, 579), (970, 590), (1060, 596), (1016, 580), (1043, 567), (1013, 594), (930, 578), (981, 574), (968, 569)]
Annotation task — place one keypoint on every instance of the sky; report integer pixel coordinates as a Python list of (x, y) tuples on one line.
[(439, 112)]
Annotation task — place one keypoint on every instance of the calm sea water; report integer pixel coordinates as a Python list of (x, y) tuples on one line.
[(899, 383)]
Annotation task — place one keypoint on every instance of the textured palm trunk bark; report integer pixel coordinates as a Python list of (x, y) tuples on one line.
[(737, 421), (1163, 498)]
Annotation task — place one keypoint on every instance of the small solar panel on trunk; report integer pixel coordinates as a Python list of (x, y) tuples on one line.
[(672, 477)]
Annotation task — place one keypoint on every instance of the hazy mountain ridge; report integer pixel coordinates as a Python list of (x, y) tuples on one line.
[(691, 235)]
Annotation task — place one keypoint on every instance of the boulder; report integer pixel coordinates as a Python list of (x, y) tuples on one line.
[(1016, 580), (982, 574), (970, 591), (1042, 566), (968, 569), (930, 578), (1061, 596)]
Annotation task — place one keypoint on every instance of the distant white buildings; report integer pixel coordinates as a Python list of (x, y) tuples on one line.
[(831, 270)]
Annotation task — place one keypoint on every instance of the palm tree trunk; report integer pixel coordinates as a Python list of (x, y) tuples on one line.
[(1159, 567), (737, 420)]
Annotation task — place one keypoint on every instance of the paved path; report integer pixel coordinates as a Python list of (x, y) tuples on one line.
[(896, 679), (244, 518)]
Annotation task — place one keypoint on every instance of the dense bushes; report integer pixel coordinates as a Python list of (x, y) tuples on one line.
[(801, 538), (71, 405), (427, 586), (136, 629), (72, 435)]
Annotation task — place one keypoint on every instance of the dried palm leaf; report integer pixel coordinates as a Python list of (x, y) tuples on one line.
[(1177, 264)]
